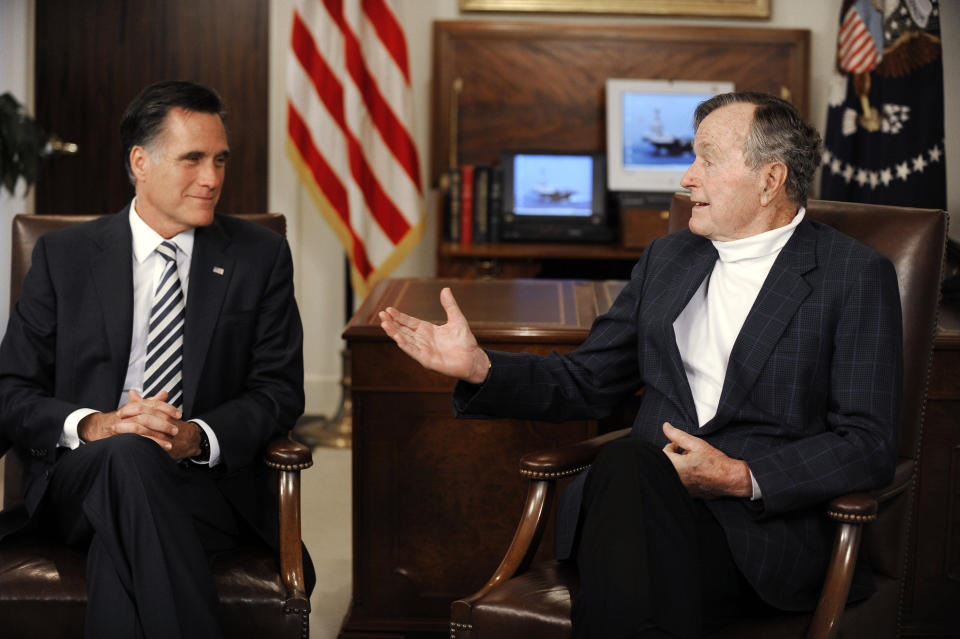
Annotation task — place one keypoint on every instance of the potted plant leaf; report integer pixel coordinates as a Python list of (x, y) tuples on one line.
[(22, 143)]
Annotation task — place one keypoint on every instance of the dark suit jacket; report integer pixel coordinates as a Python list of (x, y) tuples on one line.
[(810, 400), (68, 342)]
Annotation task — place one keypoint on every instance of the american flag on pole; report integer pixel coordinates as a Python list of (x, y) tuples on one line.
[(349, 122), (861, 39)]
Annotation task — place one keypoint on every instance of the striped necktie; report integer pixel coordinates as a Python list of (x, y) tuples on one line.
[(162, 369)]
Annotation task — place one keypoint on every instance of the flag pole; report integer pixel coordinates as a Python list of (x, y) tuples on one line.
[(335, 431)]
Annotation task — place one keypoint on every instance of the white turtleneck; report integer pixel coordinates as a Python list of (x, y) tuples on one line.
[(709, 325)]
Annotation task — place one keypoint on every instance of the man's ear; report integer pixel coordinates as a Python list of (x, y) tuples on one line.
[(771, 179), (139, 162)]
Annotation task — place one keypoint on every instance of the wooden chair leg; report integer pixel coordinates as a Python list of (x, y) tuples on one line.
[(836, 586), (517, 559), (289, 458)]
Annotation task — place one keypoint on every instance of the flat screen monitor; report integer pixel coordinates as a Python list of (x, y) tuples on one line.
[(650, 131), (553, 195)]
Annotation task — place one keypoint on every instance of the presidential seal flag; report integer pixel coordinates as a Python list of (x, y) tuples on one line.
[(349, 126), (885, 135)]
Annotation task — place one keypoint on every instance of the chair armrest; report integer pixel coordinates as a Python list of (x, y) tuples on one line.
[(856, 508), (283, 453), (556, 463), (903, 477), (543, 468), (289, 457), (863, 507)]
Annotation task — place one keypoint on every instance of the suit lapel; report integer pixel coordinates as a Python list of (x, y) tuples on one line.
[(695, 270), (112, 273), (777, 302), (210, 272)]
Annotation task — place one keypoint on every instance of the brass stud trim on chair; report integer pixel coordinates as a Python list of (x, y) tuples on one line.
[(851, 519), (288, 467), (534, 474), (455, 626)]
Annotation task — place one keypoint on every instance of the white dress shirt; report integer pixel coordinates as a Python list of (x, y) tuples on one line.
[(709, 325), (148, 267)]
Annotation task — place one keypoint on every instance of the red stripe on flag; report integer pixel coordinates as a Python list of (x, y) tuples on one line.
[(394, 225), (328, 183), (324, 80), (862, 57), (859, 47), (388, 217), (389, 32), (854, 36), (849, 19), (393, 131)]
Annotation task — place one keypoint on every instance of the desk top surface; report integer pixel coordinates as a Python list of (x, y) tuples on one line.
[(498, 310)]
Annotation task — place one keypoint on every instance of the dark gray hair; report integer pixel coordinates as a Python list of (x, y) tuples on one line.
[(778, 134), (142, 122)]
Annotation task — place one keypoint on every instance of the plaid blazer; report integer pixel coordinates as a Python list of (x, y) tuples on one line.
[(810, 401)]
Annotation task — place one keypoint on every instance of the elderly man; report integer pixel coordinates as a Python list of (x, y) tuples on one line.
[(151, 357), (769, 348)]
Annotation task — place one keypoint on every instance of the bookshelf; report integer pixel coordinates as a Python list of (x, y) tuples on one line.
[(505, 85)]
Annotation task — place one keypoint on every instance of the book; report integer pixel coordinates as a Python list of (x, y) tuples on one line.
[(453, 205), (481, 210), (466, 205), (495, 202)]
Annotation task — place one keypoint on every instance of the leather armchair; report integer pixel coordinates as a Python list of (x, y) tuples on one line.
[(528, 600), (42, 584)]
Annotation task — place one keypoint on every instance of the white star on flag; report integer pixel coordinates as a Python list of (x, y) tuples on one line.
[(848, 173), (903, 171)]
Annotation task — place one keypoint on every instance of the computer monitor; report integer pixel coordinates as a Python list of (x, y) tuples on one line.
[(650, 131), (554, 195)]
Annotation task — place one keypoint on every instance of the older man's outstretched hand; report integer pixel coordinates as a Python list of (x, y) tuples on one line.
[(450, 349)]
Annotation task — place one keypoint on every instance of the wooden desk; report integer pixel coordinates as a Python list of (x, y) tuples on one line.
[(426, 484)]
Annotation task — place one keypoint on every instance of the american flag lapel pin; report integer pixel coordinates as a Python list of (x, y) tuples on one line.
[(218, 270)]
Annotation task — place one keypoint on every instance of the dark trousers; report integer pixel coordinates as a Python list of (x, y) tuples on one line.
[(150, 527), (653, 561)]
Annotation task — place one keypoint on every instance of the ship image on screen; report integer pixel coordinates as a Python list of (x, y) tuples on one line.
[(555, 185), (650, 131), (658, 129)]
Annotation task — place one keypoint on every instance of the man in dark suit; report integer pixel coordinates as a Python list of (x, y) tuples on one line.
[(151, 357), (769, 350)]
